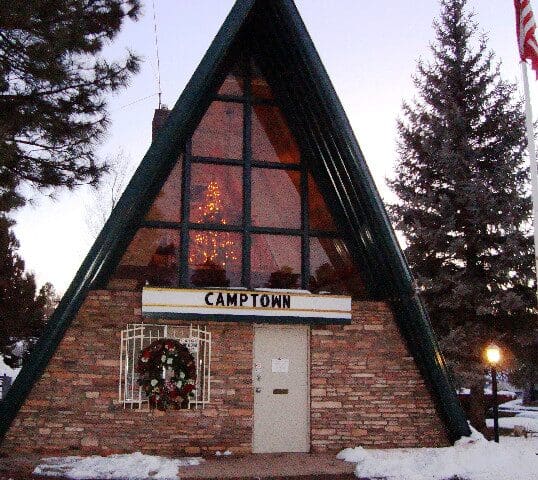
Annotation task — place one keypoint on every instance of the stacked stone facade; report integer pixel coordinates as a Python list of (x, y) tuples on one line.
[(365, 390)]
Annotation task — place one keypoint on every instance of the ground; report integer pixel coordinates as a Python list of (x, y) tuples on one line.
[(470, 459), (523, 416), (478, 459)]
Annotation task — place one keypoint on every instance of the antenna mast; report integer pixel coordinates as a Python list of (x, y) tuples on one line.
[(157, 54)]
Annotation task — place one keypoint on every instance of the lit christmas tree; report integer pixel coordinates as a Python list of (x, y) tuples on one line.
[(211, 210), (211, 251)]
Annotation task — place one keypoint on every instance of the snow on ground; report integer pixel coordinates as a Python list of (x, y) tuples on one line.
[(469, 459), (487, 391), (506, 393), (7, 370), (530, 423), (525, 416), (133, 466), (517, 406)]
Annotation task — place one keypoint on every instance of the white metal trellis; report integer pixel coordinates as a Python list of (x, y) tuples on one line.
[(138, 336)]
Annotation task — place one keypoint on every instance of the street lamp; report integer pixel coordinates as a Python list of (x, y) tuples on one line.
[(493, 356)]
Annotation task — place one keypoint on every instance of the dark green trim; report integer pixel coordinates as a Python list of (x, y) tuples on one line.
[(253, 100), (247, 178), (275, 33), (219, 227), (305, 226), (218, 161), (240, 163), (248, 319), (185, 214)]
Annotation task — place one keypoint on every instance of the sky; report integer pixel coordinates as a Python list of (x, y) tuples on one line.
[(370, 50)]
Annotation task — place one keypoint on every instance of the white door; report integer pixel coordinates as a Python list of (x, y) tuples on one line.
[(281, 388)]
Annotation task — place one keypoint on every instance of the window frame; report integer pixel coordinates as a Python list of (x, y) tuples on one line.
[(137, 336), (246, 229)]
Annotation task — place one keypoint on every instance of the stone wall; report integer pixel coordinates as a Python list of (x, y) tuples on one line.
[(366, 390), (365, 387), (74, 408)]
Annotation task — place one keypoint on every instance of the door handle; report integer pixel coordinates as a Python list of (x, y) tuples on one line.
[(258, 390)]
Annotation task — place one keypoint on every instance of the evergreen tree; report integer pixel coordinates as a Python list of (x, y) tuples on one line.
[(464, 203), (52, 90), (22, 313), (524, 373), (48, 299)]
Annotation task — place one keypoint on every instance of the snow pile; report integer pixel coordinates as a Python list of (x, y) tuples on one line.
[(475, 436), (528, 422), (133, 466), (471, 458)]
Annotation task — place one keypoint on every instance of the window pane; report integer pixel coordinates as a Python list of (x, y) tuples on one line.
[(216, 194), (318, 214), (167, 204), (271, 139), (275, 261), (220, 133), (276, 200), (260, 87), (215, 259), (234, 83), (150, 259), (332, 270)]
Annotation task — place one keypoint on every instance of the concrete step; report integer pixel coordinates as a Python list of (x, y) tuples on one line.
[(269, 466)]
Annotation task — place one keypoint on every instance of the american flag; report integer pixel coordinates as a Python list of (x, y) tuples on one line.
[(525, 26)]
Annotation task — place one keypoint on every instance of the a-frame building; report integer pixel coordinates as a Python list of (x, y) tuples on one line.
[(254, 192)]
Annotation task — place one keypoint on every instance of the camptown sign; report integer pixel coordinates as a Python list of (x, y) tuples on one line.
[(269, 306)]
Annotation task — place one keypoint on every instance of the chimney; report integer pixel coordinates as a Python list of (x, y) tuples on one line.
[(159, 119)]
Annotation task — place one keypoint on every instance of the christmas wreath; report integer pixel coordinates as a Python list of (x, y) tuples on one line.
[(167, 374)]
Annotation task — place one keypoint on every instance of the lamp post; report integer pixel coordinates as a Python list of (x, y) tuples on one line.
[(493, 356)]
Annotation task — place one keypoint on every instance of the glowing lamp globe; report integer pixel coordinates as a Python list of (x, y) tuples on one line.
[(493, 354)]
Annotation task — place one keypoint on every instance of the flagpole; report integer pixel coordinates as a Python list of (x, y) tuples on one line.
[(532, 159)]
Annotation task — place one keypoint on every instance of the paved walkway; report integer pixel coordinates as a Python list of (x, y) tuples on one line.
[(278, 466)]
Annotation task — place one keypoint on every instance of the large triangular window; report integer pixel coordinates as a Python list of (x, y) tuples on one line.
[(241, 208)]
